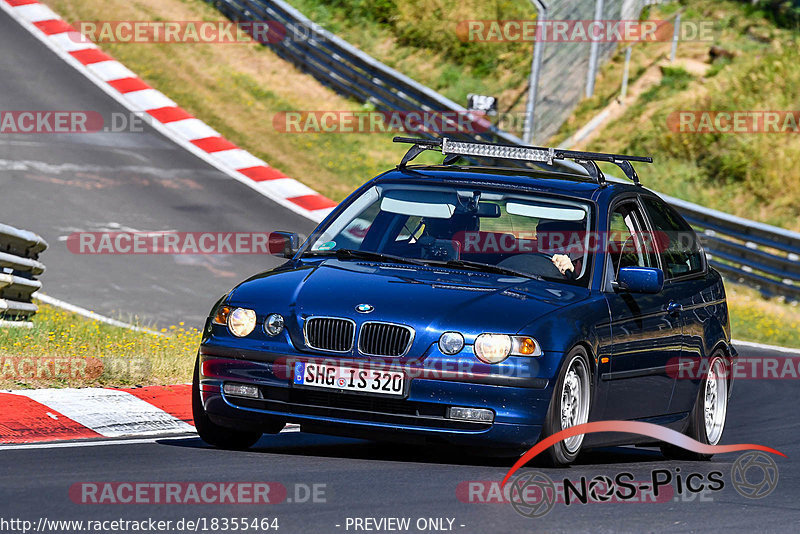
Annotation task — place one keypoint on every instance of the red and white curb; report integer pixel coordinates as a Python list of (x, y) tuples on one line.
[(44, 415), (37, 415), (168, 118)]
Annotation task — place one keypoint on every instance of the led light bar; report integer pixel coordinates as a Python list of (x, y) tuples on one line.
[(546, 155), (588, 160)]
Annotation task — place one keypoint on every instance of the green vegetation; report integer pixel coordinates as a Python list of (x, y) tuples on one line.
[(428, 40), (64, 349), (754, 318), (753, 175), (240, 91)]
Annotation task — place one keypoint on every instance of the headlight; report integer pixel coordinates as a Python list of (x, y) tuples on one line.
[(494, 348), (241, 322), (273, 325), (451, 343)]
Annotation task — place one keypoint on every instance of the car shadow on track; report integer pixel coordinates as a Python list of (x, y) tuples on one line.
[(317, 445)]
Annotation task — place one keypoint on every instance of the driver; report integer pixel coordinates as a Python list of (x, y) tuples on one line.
[(557, 237)]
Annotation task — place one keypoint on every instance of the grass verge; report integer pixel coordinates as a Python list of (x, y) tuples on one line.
[(239, 90), (753, 175), (64, 349)]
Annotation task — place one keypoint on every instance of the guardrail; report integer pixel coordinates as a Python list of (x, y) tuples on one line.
[(749, 252), (19, 265), (346, 69), (759, 255)]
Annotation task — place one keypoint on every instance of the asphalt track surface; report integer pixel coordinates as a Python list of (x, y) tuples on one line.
[(55, 185)]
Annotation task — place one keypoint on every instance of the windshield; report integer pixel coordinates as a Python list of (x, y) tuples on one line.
[(531, 235)]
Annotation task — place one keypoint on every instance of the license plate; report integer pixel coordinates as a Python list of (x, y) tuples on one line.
[(348, 378)]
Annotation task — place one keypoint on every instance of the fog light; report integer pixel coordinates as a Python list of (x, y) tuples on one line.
[(241, 390), (471, 414), (273, 325), (451, 343)]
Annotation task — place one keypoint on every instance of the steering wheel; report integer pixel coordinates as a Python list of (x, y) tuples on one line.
[(539, 263)]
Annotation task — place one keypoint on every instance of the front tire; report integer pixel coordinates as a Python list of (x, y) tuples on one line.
[(212, 433), (569, 406), (707, 420)]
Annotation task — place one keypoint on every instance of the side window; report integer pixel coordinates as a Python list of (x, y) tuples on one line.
[(676, 242), (627, 244)]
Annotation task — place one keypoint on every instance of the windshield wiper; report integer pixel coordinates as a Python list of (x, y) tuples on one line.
[(484, 267), (346, 254)]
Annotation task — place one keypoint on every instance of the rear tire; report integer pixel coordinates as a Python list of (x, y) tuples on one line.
[(707, 420), (569, 406), (212, 433)]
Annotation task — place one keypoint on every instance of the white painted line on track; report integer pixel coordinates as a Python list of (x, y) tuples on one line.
[(751, 344), (52, 301), (104, 442)]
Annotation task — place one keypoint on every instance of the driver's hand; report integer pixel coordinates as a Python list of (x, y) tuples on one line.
[(563, 263)]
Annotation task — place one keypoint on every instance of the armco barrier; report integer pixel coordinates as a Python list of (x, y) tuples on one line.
[(745, 251), (343, 67), (19, 265), (759, 255)]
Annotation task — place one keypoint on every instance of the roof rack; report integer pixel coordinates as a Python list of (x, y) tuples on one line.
[(453, 150)]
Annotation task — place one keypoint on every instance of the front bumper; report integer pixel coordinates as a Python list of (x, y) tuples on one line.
[(519, 401)]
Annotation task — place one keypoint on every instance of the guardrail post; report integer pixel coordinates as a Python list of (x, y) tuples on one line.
[(675, 37), (533, 81), (625, 74), (594, 52)]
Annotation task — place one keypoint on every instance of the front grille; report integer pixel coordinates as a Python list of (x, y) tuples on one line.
[(330, 334), (364, 403), (385, 339)]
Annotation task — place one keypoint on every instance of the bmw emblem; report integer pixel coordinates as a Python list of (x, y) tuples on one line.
[(364, 308)]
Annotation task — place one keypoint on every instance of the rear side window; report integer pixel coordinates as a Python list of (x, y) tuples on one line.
[(628, 245), (677, 243)]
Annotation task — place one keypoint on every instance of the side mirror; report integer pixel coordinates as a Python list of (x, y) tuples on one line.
[(284, 244), (640, 280)]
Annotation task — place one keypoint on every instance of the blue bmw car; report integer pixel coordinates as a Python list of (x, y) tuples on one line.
[(477, 306)]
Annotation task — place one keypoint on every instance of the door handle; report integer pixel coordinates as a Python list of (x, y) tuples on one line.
[(674, 308)]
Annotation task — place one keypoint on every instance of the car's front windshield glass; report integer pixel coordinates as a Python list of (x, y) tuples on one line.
[(534, 235)]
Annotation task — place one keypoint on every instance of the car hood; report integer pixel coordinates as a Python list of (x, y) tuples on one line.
[(430, 299)]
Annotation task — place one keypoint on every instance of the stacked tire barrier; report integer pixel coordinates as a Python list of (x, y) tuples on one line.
[(19, 267), (761, 256)]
